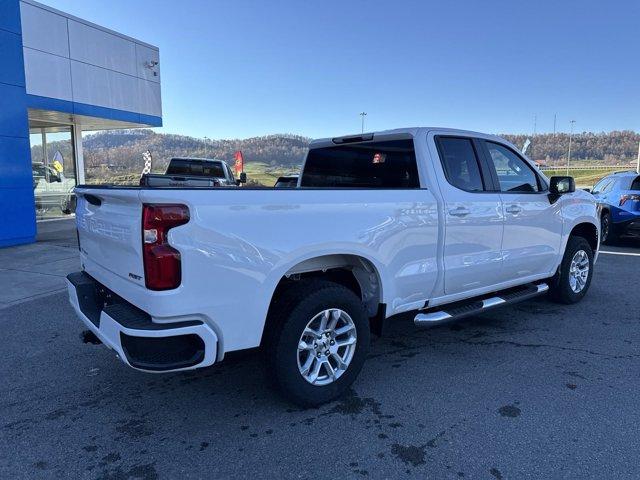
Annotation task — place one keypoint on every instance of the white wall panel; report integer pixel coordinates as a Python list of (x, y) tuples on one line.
[(47, 75), (97, 47), (86, 63), (149, 98), (123, 91), (91, 84), (144, 55), (44, 30), (105, 88)]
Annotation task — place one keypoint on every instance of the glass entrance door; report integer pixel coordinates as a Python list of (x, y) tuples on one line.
[(54, 170)]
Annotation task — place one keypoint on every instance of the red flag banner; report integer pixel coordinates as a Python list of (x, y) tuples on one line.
[(239, 162)]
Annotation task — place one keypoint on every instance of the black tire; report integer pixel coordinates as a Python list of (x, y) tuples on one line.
[(64, 207), (608, 233), (560, 286), (288, 317)]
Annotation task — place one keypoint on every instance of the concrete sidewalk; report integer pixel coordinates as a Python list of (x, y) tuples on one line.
[(30, 271)]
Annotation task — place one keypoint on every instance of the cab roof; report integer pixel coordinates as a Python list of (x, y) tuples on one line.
[(398, 133)]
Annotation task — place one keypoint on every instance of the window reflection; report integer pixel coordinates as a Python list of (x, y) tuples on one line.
[(54, 171)]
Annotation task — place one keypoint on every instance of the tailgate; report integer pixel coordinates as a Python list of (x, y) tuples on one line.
[(110, 230)]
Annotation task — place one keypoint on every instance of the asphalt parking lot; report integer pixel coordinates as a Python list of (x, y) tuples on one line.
[(535, 390)]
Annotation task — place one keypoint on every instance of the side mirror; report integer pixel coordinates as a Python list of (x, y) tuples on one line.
[(561, 185), (242, 179)]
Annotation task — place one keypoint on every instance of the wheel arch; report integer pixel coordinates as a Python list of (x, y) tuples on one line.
[(355, 272), (589, 231)]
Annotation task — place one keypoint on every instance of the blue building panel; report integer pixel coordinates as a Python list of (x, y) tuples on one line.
[(17, 203), (14, 164), (104, 112), (18, 223), (10, 16), (11, 70), (14, 121), (46, 103), (66, 106), (150, 120)]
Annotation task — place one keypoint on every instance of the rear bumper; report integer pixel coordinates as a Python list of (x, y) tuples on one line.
[(625, 218), (630, 227), (141, 343)]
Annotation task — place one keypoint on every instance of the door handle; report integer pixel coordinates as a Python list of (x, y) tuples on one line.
[(459, 212), (514, 209)]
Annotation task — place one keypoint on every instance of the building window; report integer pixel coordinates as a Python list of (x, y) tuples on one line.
[(53, 165)]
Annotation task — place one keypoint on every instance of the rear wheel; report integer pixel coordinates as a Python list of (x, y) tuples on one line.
[(574, 276), (317, 341)]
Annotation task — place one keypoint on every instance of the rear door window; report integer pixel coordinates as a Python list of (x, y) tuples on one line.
[(635, 185), (609, 186), (460, 163), (599, 187), (383, 164)]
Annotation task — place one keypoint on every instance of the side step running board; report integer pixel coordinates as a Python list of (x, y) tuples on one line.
[(477, 305)]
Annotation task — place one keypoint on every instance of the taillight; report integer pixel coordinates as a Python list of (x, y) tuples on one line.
[(162, 269), (629, 198)]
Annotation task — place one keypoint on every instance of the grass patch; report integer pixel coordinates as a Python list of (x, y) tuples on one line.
[(584, 178)]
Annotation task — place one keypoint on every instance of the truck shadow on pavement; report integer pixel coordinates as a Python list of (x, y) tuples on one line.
[(114, 422)]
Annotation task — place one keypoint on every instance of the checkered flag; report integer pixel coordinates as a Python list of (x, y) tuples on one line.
[(148, 162)]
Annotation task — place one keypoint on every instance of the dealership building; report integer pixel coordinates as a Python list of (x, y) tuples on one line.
[(60, 77)]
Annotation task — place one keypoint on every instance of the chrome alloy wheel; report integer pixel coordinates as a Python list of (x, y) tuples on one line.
[(579, 271), (326, 347)]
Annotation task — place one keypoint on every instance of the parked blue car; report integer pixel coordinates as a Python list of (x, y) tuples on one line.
[(618, 195)]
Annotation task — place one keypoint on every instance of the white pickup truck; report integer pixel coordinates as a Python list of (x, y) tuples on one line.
[(441, 222)]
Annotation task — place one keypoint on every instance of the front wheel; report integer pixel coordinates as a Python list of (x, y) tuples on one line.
[(607, 229), (317, 342), (574, 276)]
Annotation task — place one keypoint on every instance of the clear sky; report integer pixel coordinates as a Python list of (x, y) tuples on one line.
[(234, 69)]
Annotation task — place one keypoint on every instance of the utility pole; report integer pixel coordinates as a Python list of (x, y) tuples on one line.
[(572, 122), (533, 137), (555, 117), (206, 141), (363, 114), (638, 165)]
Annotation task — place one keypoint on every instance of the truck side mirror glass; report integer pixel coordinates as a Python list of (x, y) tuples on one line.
[(560, 185), (242, 179)]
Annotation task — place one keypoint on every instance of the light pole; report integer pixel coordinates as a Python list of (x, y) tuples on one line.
[(363, 114), (206, 141), (572, 122)]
